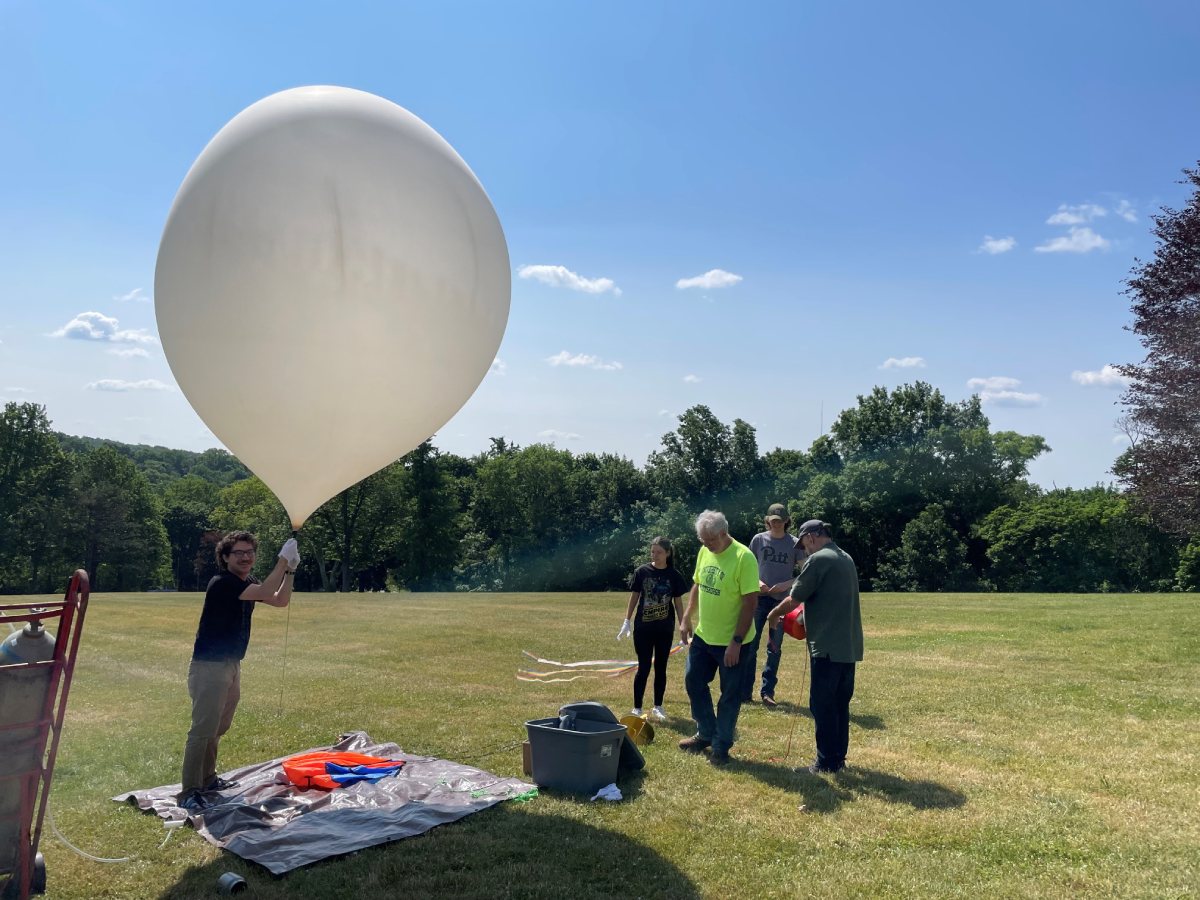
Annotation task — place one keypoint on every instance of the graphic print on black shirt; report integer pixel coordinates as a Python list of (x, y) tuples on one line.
[(657, 587)]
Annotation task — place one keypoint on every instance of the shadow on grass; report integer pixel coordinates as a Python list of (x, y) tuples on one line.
[(509, 850), (865, 721), (825, 793)]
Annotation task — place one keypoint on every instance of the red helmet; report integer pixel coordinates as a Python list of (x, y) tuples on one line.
[(793, 623)]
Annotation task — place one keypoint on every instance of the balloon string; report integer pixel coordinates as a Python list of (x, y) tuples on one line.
[(287, 624)]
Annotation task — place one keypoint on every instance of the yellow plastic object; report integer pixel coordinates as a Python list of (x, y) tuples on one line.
[(640, 731)]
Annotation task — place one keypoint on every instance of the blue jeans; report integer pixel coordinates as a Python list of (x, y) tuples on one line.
[(770, 673), (703, 662)]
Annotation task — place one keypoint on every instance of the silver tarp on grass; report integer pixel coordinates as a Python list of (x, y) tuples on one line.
[(267, 820)]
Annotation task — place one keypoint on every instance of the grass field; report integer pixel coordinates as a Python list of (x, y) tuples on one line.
[(1001, 746)]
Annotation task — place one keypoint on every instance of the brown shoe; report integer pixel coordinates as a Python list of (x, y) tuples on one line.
[(694, 744)]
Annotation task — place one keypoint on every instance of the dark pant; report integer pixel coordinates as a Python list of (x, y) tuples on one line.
[(652, 643), (832, 686), (770, 673), (705, 661)]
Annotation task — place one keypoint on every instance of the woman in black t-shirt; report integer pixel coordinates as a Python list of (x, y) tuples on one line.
[(656, 593)]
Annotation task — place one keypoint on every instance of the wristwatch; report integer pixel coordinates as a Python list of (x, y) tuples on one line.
[(737, 638)]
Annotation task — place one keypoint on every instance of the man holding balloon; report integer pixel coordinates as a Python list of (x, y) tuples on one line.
[(214, 677)]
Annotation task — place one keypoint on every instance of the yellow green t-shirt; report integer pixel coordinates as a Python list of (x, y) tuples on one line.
[(722, 579)]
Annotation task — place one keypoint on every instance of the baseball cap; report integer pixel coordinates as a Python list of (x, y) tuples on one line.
[(776, 511), (814, 526)]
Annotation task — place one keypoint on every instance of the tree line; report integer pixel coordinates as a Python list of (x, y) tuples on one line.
[(920, 491)]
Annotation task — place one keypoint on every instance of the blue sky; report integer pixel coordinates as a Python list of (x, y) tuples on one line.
[(753, 207)]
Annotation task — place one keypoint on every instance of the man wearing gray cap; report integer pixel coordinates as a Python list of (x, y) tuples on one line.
[(828, 588), (777, 553)]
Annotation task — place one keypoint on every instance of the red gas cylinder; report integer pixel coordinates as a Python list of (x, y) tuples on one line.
[(793, 623)]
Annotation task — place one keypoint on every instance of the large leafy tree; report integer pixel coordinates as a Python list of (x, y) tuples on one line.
[(36, 495), (125, 546), (896, 453), (1076, 540), (1163, 469), (187, 505)]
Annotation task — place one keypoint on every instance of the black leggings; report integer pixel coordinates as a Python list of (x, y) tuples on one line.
[(656, 643)]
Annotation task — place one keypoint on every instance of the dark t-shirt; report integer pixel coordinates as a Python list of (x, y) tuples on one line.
[(224, 631), (657, 587)]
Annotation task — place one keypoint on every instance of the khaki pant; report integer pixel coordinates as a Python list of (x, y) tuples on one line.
[(215, 688)]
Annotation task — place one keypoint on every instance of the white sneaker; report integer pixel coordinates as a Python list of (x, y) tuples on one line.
[(636, 711), (658, 715)]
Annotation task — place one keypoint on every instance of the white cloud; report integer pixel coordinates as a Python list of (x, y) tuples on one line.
[(18, 390), (563, 358), (713, 278), (904, 362), (1126, 211), (995, 246), (1011, 398), (128, 352), (1077, 240), (664, 412), (992, 383), (561, 276), (692, 379), (1077, 215), (1107, 377), (135, 295), (116, 384), (554, 434), (94, 326), (498, 367)]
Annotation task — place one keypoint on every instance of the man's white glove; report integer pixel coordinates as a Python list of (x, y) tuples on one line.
[(290, 554), (624, 632)]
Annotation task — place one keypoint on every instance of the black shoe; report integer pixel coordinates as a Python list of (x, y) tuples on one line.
[(815, 769), (194, 802), (768, 700), (220, 784), (720, 758), (694, 744)]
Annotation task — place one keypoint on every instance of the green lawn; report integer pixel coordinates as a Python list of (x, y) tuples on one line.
[(1002, 746)]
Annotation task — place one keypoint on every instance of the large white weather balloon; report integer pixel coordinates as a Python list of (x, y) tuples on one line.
[(332, 285)]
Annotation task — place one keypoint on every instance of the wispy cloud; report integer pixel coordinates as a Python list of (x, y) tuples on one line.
[(116, 384), (18, 390), (1106, 377), (94, 326), (1077, 215), (664, 412), (134, 296), (553, 434), (1077, 240), (129, 352), (584, 360), (992, 383), (713, 278), (1011, 398), (998, 390), (996, 246), (562, 277), (903, 362), (1126, 211), (692, 379), (498, 367)]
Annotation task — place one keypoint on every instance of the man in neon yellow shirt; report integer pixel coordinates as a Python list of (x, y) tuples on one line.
[(718, 620)]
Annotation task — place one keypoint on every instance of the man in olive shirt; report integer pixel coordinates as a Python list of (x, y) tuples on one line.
[(828, 588), (718, 618)]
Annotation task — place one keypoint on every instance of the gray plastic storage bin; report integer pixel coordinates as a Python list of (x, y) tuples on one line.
[(580, 760)]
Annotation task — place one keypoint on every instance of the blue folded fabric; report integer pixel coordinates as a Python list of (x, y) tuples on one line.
[(345, 775)]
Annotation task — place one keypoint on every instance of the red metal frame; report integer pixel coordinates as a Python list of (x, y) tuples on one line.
[(67, 615)]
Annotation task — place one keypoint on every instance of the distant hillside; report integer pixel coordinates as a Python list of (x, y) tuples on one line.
[(162, 465)]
